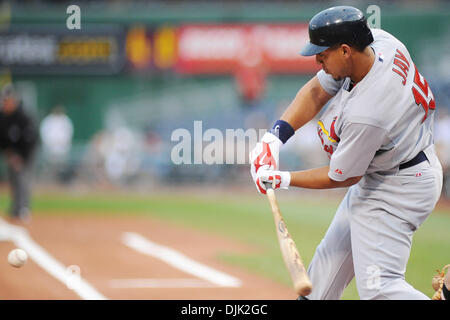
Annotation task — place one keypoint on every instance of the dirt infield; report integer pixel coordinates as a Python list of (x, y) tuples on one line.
[(115, 270)]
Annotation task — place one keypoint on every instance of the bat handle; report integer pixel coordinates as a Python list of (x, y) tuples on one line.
[(268, 185)]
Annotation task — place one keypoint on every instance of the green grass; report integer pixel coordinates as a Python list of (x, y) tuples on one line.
[(248, 219)]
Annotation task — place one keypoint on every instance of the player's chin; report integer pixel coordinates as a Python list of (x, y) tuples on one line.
[(336, 78)]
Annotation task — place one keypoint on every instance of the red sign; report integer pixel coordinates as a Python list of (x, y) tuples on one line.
[(223, 48)]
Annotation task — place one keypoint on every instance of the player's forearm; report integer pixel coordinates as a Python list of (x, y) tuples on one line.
[(308, 102), (318, 179)]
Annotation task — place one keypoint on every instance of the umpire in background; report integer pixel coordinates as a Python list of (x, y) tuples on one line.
[(18, 139)]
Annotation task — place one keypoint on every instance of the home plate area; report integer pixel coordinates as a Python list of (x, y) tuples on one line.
[(125, 258)]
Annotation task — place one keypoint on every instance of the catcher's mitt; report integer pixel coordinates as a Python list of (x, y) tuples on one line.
[(438, 283)]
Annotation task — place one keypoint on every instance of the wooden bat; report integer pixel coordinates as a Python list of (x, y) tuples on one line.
[(291, 256)]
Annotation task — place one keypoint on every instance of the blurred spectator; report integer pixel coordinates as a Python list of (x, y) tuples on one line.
[(250, 74), (18, 139), (250, 83), (56, 133), (442, 141), (114, 155)]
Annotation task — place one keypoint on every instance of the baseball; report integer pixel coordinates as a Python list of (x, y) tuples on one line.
[(17, 258)]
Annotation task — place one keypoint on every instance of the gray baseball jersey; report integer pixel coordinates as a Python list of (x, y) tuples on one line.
[(368, 130), (383, 121)]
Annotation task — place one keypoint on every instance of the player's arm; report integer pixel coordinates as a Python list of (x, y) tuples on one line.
[(349, 162), (307, 103), (318, 179), (357, 148)]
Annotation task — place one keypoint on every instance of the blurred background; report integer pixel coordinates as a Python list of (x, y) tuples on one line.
[(117, 88)]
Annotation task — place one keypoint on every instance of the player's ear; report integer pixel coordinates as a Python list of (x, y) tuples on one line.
[(346, 50)]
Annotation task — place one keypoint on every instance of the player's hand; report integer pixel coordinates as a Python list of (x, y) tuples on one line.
[(439, 280), (278, 179), (266, 153)]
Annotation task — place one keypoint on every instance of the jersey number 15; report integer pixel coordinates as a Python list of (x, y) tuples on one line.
[(421, 90)]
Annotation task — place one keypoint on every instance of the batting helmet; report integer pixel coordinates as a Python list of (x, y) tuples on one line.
[(337, 25)]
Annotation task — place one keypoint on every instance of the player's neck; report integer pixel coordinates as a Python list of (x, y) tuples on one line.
[(363, 63)]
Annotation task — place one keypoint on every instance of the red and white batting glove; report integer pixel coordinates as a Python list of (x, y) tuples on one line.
[(265, 154), (278, 179)]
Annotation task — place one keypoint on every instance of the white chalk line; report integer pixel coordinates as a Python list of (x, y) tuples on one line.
[(160, 283), (20, 237), (179, 260)]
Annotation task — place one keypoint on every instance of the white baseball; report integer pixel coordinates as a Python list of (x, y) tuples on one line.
[(17, 258)]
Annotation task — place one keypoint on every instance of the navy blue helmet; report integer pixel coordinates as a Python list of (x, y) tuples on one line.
[(337, 25)]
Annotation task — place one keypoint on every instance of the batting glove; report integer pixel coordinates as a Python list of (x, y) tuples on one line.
[(265, 154), (278, 179)]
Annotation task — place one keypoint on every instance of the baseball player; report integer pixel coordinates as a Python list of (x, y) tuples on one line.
[(377, 131), (18, 142)]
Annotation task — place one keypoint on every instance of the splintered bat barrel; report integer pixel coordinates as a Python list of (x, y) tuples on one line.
[(291, 256)]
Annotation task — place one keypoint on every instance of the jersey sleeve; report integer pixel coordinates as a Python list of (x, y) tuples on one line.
[(327, 82), (356, 149)]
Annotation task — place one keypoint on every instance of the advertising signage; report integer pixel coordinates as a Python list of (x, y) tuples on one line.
[(186, 49), (222, 48), (52, 51)]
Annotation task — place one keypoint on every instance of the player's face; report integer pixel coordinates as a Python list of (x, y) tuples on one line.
[(334, 62)]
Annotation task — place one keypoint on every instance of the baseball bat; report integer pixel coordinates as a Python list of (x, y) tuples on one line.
[(291, 256)]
